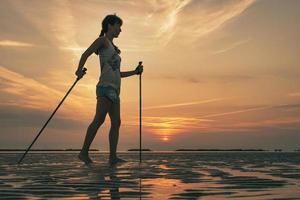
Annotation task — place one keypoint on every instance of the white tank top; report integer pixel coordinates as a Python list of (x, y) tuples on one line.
[(110, 62)]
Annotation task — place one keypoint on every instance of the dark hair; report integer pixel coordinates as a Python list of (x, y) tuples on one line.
[(110, 19)]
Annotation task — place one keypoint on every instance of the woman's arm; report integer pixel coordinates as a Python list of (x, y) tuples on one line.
[(98, 43), (128, 73), (138, 70)]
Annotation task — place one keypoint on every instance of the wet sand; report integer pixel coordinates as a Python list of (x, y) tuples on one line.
[(176, 175)]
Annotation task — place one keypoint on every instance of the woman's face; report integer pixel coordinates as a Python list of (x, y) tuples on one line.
[(115, 29)]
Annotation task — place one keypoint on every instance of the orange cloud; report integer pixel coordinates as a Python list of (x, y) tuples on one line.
[(238, 111), (205, 19), (232, 46), (29, 93), (294, 94), (12, 43), (270, 123), (184, 104)]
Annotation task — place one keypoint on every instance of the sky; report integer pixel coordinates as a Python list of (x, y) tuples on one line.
[(217, 74)]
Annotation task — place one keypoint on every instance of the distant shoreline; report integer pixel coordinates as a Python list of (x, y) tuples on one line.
[(139, 150), (221, 150), (149, 150), (47, 150)]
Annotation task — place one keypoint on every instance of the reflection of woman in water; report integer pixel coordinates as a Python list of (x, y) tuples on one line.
[(108, 87)]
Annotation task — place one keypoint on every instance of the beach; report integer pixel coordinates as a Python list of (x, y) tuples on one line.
[(161, 175)]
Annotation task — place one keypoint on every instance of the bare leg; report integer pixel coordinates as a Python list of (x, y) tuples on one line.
[(102, 108), (114, 114)]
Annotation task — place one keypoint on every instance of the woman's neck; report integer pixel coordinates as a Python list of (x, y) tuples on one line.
[(109, 36)]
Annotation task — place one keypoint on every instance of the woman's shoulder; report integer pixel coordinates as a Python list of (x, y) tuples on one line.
[(103, 41), (101, 44)]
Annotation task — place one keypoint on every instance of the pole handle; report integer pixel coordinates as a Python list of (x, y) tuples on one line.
[(84, 71)]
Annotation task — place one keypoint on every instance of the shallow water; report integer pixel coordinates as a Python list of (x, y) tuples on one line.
[(162, 175)]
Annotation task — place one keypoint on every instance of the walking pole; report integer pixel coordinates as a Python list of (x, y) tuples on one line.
[(140, 77), (77, 79)]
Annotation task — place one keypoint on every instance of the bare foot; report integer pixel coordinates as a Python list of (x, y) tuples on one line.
[(84, 158), (114, 161)]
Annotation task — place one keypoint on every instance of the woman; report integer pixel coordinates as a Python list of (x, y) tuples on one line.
[(108, 87)]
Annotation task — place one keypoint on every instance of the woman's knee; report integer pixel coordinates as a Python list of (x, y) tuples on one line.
[(98, 122), (116, 123)]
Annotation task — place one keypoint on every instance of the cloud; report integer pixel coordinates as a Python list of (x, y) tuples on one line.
[(259, 108), (232, 77), (171, 122), (11, 43), (53, 21), (288, 106), (170, 19), (15, 117), (211, 123), (294, 94), (232, 46), (184, 104), (186, 78), (63, 26), (168, 126), (190, 20), (225, 78), (156, 23), (31, 93), (75, 49), (292, 123), (25, 92), (212, 15)]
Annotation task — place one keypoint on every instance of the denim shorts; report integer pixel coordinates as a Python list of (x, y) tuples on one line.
[(108, 92)]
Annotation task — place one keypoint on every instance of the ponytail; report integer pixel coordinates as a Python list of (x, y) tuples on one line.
[(102, 33)]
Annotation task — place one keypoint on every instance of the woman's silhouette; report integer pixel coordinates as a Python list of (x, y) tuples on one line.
[(108, 87)]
